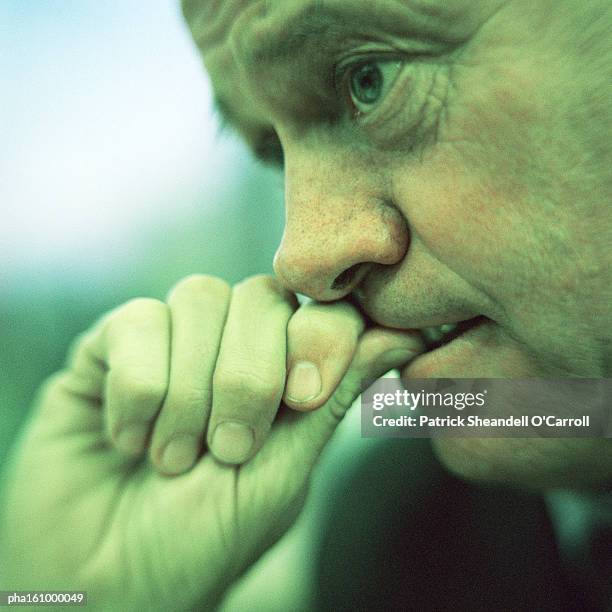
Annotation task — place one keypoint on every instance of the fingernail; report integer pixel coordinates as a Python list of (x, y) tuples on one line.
[(304, 382), (131, 439), (180, 454), (232, 441)]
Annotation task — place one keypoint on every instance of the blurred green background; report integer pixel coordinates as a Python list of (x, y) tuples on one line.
[(115, 183), (114, 180)]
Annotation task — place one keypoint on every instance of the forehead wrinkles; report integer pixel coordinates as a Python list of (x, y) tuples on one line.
[(284, 29), (261, 30), (210, 21)]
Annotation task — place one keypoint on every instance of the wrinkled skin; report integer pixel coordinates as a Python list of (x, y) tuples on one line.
[(85, 509), (479, 184)]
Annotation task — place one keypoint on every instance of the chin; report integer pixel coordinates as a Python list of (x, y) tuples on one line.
[(534, 463), (487, 351)]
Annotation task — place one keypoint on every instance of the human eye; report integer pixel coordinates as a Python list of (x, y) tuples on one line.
[(365, 84)]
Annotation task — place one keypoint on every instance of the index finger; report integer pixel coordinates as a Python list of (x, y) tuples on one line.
[(250, 372)]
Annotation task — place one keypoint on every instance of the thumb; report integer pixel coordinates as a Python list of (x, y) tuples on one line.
[(379, 350)]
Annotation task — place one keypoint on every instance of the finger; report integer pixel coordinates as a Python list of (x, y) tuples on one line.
[(86, 369), (321, 342), (249, 377), (136, 342), (378, 351), (198, 308)]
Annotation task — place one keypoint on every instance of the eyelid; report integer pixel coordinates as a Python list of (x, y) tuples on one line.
[(345, 68), (365, 57)]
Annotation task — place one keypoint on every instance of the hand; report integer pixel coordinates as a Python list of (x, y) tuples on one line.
[(85, 511)]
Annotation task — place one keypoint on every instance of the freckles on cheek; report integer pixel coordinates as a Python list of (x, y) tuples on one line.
[(457, 217), (468, 199)]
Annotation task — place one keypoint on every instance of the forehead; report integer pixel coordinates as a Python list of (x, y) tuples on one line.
[(261, 29)]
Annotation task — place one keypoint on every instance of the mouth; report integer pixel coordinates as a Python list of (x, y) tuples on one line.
[(441, 335)]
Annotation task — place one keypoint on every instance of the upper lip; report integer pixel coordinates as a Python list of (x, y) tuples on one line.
[(419, 318), (417, 322)]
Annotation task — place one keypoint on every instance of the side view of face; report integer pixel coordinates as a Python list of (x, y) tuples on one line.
[(445, 162)]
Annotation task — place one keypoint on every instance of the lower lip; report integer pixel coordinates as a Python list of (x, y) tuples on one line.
[(460, 351)]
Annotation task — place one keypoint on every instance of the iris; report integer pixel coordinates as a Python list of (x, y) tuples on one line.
[(367, 83)]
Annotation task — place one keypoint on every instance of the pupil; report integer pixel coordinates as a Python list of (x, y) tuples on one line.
[(367, 83)]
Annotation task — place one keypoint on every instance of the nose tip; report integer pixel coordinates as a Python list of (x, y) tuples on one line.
[(318, 283), (326, 258)]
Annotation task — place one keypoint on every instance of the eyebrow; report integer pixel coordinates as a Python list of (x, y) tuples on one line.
[(322, 25), (318, 24)]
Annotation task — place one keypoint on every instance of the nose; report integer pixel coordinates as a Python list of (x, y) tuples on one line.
[(338, 226)]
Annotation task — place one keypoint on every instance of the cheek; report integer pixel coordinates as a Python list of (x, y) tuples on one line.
[(501, 241), (471, 198), (467, 222)]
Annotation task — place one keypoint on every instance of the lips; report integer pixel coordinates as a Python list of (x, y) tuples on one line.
[(435, 334), (456, 345)]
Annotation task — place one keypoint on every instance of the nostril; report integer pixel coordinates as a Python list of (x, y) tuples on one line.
[(344, 279)]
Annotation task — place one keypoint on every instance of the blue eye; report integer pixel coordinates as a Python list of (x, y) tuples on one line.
[(369, 82)]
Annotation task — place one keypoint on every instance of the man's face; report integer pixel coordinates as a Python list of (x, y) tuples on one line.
[(444, 160)]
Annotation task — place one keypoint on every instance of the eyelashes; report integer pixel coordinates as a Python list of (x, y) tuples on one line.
[(362, 86)]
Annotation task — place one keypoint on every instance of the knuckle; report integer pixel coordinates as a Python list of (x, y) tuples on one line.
[(199, 284), (192, 400), (78, 346), (53, 387), (247, 383), (266, 283), (382, 341), (316, 326), (260, 281), (311, 324), (139, 390), (52, 393), (138, 310)]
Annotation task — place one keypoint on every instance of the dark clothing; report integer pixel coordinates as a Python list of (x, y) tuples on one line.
[(403, 534)]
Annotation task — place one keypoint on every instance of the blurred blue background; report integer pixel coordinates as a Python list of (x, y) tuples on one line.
[(114, 181)]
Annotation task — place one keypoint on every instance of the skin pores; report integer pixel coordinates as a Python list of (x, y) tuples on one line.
[(478, 185)]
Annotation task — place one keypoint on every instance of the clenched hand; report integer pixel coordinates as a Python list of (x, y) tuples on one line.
[(165, 459)]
